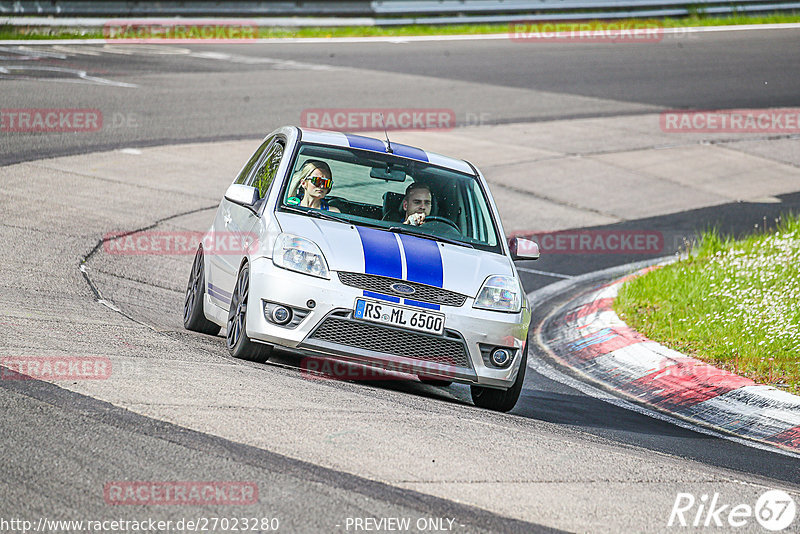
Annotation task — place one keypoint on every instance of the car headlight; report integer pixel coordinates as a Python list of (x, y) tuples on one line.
[(301, 255), (500, 293)]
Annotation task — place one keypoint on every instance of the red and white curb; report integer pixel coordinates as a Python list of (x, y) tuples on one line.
[(590, 338)]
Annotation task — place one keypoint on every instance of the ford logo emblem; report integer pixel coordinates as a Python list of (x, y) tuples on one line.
[(403, 289)]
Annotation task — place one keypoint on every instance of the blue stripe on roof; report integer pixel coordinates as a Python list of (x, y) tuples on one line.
[(450, 163), (366, 143), (410, 152)]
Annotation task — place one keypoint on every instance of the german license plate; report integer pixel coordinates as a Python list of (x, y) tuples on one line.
[(386, 313)]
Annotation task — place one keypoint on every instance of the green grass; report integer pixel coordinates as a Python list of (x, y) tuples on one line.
[(696, 19), (734, 304)]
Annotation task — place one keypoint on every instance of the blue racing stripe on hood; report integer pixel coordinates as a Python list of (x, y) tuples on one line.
[(381, 253), (423, 265), (366, 143), (423, 261)]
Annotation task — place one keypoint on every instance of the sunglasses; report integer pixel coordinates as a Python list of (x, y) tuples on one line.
[(324, 183)]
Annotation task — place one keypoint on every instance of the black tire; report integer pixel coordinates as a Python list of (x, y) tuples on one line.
[(236, 338), (435, 381), (193, 318), (501, 400)]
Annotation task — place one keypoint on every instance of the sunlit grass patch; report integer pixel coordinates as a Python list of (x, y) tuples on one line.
[(735, 304), (696, 18)]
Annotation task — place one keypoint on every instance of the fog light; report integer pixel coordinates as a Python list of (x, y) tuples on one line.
[(280, 314), (501, 357)]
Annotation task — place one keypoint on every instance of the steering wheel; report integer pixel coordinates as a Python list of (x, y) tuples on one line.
[(444, 220)]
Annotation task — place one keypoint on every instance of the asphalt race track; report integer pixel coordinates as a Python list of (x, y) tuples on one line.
[(567, 135), (187, 93)]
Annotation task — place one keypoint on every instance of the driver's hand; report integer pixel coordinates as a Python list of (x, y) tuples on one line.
[(415, 219)]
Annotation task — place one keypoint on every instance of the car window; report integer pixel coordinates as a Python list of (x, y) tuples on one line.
[(267, 168), (244, 174), (369, 188)]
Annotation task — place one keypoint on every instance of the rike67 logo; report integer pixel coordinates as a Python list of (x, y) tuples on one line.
[(774, 510)]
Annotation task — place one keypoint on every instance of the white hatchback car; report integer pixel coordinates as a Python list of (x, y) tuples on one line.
[(368, 251)]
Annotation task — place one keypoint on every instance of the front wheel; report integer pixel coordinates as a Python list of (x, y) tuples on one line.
[(193, 317), (501, 400), (238, 343)]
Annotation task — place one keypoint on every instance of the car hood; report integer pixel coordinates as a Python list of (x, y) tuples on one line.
[(361, 249)]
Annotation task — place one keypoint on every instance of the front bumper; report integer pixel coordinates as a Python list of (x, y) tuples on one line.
[(329, 329)]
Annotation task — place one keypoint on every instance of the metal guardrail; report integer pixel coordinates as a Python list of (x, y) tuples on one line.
[(111, 8), (394, 12)]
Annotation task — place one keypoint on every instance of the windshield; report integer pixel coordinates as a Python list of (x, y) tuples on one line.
[(387, 191)]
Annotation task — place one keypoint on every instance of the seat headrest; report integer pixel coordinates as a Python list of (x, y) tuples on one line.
[(392, 206)]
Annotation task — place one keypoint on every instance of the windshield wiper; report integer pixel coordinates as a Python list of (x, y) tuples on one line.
[(315, 213), (403, 230)]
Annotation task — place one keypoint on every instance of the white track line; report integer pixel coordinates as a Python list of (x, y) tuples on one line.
[(545, 273)]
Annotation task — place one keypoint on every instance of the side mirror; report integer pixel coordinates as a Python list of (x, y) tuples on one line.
[(523, 249), (244, 195)]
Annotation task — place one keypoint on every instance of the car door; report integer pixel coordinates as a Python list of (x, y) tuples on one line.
[(236, 225)]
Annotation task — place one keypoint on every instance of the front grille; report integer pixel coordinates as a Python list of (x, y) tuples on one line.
[(417, 346), (422, 292)]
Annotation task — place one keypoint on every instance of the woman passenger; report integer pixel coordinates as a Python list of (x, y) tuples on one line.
[(316, 181)]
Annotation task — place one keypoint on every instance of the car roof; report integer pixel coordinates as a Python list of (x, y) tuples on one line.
[(348, 140)]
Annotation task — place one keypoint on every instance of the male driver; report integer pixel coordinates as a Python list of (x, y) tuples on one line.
[(417, 203)]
